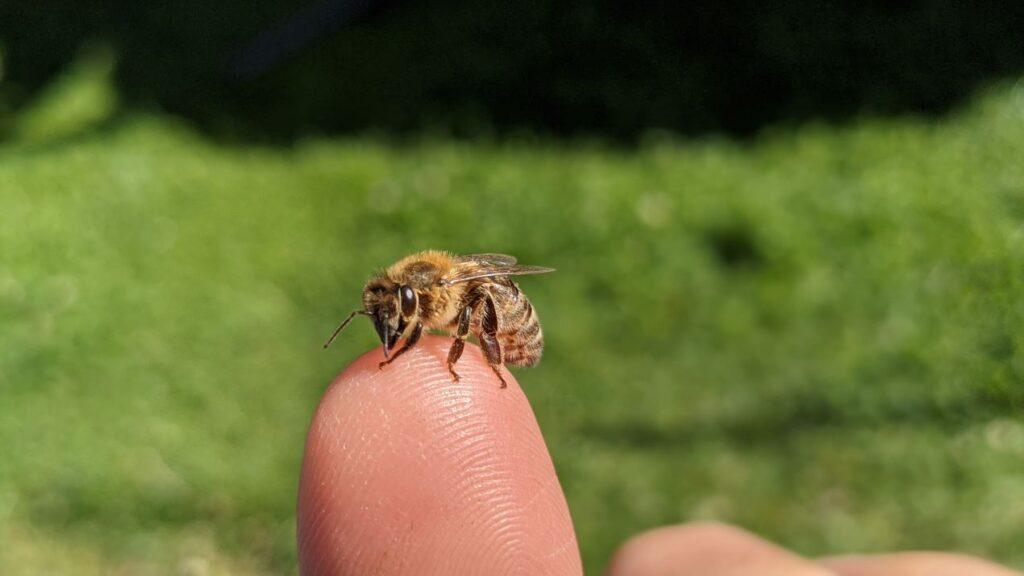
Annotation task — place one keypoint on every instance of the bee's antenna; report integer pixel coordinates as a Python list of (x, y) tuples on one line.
[(342, 326)]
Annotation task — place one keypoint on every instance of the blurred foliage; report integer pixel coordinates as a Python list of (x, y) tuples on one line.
[(286, 68), (78, 100), (814, 335)]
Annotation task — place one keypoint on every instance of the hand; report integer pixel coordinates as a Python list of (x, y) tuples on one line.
[(406, 472)]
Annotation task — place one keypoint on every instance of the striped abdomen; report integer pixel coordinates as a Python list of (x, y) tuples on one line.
[(519, 333)]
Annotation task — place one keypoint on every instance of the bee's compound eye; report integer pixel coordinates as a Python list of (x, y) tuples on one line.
[(407, 298)]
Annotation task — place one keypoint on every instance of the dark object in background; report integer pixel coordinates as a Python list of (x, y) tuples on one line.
[(590, 66)]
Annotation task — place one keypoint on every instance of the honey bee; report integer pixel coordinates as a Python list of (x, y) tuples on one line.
[(459, 296)]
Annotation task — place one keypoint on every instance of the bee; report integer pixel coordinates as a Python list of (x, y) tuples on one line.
[(458, 296)]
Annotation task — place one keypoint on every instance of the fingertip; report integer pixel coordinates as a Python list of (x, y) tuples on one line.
[(914, 564), (706, 549), (405, 468)]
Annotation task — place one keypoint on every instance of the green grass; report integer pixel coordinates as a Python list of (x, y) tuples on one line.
[(816, 335)]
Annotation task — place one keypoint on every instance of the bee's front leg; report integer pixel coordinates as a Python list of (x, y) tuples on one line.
[(414, 337), (455, 352)]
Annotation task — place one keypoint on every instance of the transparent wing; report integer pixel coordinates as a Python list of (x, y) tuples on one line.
[(476, 269), (492, 259)]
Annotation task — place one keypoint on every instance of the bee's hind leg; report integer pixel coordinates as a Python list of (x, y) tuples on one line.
[(489, 339), (409, 343), (455, 352), (492, 351)]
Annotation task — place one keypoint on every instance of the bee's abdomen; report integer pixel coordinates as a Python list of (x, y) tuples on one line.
[(519, 332)]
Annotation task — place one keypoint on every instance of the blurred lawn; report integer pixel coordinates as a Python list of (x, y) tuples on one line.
[(816, 335)]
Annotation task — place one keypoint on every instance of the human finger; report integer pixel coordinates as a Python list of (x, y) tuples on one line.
[(915, 564), (407, 472), (707, 549)]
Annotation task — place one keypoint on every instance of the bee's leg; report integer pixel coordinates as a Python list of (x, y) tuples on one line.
[(414, 337), (455, 352), (492, 351), (489, 339)]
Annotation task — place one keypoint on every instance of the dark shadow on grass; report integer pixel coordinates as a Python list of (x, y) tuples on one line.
[(278, 71), (734, 246)]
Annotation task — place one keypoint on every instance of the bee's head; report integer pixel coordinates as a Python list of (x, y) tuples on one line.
[(392, 307)]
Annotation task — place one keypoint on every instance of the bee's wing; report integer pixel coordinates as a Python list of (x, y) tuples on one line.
[(489, 259), (477, 270)]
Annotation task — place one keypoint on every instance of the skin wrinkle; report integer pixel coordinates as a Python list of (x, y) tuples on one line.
[(469, 437), (354, 460), (499, 516), (462, 433), (470, 486)]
